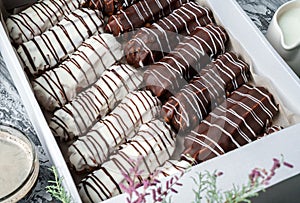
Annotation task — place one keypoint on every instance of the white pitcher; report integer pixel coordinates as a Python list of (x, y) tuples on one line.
[(284, 33)]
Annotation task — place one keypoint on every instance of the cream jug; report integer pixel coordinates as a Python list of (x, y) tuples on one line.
[(284, 33)]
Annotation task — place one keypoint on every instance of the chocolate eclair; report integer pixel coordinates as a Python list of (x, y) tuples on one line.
[(195, 100), (151, 44), (166, 77), (240, 119), (237, 121), (109, 7), (139, 14)]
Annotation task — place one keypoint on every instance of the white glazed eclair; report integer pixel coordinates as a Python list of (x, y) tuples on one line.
[(38, 18), (76, 117), (56, 87), (153, 144), (50, 48), (122, 123)]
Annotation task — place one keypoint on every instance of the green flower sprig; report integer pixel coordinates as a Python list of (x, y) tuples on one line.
[(56, 189), (257, 180)]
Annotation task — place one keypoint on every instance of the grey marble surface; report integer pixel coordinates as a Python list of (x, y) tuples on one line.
[(12, 110)]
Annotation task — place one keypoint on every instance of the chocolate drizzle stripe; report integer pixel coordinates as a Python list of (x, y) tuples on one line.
[(79, 114), (58, 40), (118, 162), (233, 112), (96, 146), (130, 111), (31, 62), (50, 47), (122, 124), (207, 146), (230, 122), (90, 104), (100, 90), (37, 45), (79, 152), (195, 134), (76, 26), (264, 108), (92, 19), (55, 94), (110, 86), (99, 184), (46, 14), (99, 145), (116, 135), (112, 179), (51, 93), (256, 118), (85, 186)]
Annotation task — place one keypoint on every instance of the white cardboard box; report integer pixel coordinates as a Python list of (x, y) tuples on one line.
[(235, 165)]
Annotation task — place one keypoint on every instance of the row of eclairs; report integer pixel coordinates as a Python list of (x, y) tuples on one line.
[(123, 79)]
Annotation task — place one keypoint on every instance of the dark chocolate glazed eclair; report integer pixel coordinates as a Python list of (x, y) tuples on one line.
[(140, 13), (150, 44), (172, 72), (195, 100), (237, 121), (109, 7)]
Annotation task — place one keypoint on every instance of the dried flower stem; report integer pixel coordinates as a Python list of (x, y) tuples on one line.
[(149, 186)]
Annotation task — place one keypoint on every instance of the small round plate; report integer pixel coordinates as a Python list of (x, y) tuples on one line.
[(19, 164)]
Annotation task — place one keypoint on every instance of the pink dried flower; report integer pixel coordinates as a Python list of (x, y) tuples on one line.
[(219, 173), (276, 164), (288, 164)]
